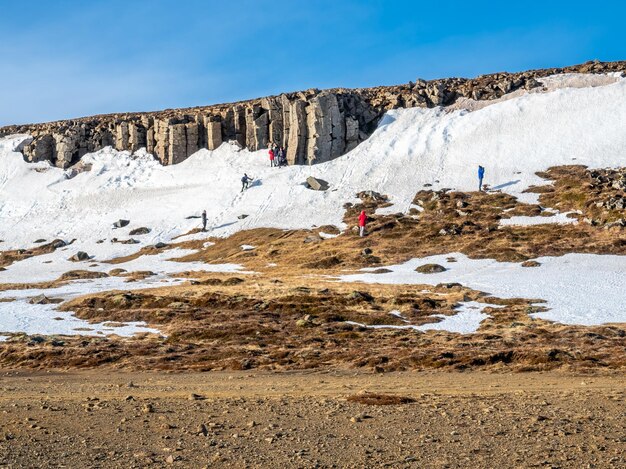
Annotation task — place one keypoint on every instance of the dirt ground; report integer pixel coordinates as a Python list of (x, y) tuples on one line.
[(311, 419)]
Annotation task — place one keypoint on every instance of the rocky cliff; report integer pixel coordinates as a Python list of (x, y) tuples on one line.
[(315, 126)]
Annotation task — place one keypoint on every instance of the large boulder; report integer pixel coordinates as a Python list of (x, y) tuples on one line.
[(316, 184)]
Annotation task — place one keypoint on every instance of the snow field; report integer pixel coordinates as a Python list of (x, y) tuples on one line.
[(581, 121)]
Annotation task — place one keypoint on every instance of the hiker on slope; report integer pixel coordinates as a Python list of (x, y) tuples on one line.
[(245, 180), (481, 175), (362, 222), (203, 220), (272, 157)]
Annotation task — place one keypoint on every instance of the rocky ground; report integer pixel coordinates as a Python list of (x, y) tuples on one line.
[(321, 419)]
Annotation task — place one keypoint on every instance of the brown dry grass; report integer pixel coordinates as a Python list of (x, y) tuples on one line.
[(9, 257)]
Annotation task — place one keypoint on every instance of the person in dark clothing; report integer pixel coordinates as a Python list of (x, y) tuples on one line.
[(283, 156), (481, 175), (203, 220), (244, 181)]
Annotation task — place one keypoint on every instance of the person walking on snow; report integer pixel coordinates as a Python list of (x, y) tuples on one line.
[(244, 181), (362, 222), (272, 156), (203, 220), (481, 175)]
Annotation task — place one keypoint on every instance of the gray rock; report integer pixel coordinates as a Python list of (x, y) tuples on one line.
[(79, 256), (139, 231), (121, 223), (43, 300), (316, 184), (430, 269)]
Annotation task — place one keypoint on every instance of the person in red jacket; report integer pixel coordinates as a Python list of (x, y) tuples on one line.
[(362, 222), (272, 156)]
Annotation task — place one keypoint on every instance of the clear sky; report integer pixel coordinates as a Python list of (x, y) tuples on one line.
[(63, 58)]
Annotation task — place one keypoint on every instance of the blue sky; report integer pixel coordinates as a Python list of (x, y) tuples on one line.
[(62, 59)]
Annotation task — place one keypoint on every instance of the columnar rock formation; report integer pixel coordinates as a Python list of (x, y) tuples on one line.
[(315, 126)]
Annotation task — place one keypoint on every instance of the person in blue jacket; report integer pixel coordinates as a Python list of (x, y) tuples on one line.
[(245, 180), (481, 175)]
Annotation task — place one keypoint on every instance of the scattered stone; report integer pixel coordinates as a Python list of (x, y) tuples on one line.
[(305, 322), (121, 223), (58, 243), (430, 269), (372, 196), (362, 296), (195, 397), (44, 300), (147, 409), (79, 256), (382, 271), (139, 231), (531, 264), (40, 240), (366, 252), (160, 245), (316, 184), (202, 430), (242, 216)]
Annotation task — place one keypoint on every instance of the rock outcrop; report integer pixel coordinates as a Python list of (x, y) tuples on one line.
[(314, 126)]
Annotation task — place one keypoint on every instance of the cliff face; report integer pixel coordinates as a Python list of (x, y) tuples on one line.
[(315, 126)]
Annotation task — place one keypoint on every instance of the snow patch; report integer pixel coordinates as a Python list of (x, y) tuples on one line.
[(467, 320), (559, 219), (585, 289)]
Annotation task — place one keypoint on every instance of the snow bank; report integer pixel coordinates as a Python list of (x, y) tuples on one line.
[(585, 289), (466, 321)]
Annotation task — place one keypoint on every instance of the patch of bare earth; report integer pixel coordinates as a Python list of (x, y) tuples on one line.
[(297, 419)]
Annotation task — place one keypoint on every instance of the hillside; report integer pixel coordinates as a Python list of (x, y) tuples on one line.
[(529, 271)]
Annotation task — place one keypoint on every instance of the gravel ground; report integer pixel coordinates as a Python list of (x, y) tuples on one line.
[(297, 419)]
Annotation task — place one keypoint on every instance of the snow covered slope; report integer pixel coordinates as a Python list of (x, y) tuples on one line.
[(412, 147), (512, 139)]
